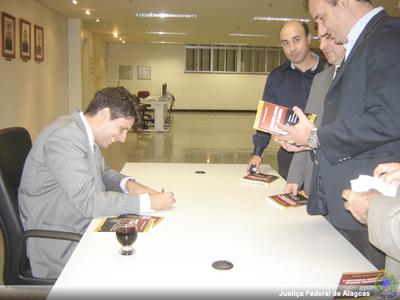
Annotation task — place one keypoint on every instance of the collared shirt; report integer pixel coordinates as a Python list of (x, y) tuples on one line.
[(286, 86), (89, 131), (358, 28), (145, 203)]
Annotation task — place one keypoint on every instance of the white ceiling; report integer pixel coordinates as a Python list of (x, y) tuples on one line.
[(215, 20)]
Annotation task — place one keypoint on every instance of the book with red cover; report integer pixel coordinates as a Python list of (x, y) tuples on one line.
[(288, 200), (259, 178), (367, 285), (270, 115)]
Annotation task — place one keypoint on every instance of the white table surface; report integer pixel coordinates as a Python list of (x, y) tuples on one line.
[(216, 217)]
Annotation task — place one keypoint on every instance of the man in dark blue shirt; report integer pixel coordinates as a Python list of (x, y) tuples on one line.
[(288, 85)]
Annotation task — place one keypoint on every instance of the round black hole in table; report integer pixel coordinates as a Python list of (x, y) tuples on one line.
[(200, 172), (222, 265)]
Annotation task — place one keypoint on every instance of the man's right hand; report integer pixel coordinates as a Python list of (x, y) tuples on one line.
[(162, 200), (255, 160), (292, 188)]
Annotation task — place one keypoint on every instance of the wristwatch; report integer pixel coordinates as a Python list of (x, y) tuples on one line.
[(313, 141)]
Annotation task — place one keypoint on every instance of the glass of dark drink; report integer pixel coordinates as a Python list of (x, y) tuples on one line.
[(126, 236)]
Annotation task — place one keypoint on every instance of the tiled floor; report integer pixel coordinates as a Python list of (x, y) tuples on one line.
[(194, 137)]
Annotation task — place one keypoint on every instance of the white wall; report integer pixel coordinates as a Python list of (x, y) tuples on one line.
[(33, 94), (192, 91)]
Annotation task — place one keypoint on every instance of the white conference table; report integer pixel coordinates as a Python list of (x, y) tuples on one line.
[(160, 105), (216, 217)]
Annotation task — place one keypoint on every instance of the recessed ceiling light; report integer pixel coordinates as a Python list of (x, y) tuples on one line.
[(87, 12), (123, 41), (97, 20), (166, 33), (248, 34), (280, 19), (74, 2), (164, 42), (115, 34), (165, 15)]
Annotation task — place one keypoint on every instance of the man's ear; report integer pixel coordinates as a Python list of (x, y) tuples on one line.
[(104, 114), (343, 4), (309, 38)]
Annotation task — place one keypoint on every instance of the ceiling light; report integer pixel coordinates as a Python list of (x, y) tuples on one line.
[(164, 42), (280, 19), (123, 41), (115, 34), (165, 15), (166, 33), (87, 12), (248, 34), (97, 20), (74, 2)]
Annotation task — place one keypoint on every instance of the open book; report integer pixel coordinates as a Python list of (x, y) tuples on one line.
[(259, 178), (270, 115), (144, 223), (288, 200)]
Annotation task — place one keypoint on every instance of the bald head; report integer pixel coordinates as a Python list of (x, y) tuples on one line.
[(295, 40)]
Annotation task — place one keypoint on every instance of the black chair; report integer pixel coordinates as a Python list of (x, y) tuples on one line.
[(15, 143)]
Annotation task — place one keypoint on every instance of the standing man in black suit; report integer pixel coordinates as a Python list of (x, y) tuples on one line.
[(360, 125)]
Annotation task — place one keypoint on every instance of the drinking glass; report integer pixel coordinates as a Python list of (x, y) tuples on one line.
[(126, 236)]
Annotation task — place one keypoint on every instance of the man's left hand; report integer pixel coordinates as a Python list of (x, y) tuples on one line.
[(358, 203), (297, 134)]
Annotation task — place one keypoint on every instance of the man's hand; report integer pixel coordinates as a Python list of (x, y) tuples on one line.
[(297, 134), (255, 160), (389, 173), (292, 188), (162, 200), (358, 203), (290, 147)]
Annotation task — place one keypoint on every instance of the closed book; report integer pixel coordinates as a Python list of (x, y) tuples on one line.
[(270, 115), (259, 178), (288, 200)]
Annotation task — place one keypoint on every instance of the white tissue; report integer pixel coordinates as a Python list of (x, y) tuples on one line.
[(364, 182)]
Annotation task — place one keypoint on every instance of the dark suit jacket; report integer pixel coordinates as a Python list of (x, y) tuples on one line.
[(360, 127)]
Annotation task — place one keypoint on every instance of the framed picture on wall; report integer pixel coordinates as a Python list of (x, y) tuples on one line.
[(8, 35), (144, 72), (25, 39), (39, 43)]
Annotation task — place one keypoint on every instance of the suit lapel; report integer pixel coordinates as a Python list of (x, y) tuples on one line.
[(94, 155)]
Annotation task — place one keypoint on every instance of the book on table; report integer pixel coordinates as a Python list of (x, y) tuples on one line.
[(143, 222), (259, 178), (367, 285), (288, 200), (270, 115)]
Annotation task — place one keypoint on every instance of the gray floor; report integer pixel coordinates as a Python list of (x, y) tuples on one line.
[(194, 137)]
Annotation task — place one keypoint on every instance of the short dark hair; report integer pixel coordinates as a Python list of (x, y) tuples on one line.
[(118, 99), (303, 24), (332, 2)]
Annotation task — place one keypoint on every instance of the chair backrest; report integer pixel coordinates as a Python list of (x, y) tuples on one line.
[(15, 144), (143, 94)]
